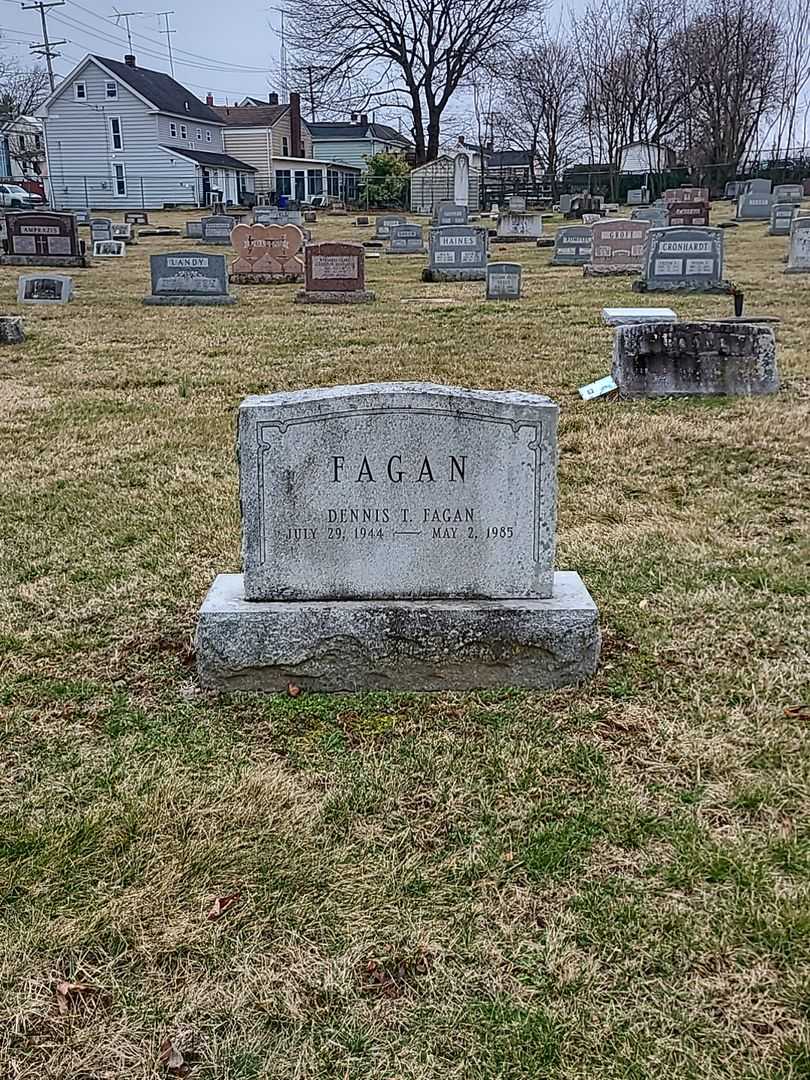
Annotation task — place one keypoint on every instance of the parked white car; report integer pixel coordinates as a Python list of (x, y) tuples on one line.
[(16, 197)]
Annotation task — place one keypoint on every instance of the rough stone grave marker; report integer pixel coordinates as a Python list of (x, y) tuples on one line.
[(450, 213), (689, 214), (782, 215), (504, 280), (109, 249), (42, 239), (397, 536), (267, 254), (382, 225), (788, 193), (12, 329), (217, 229), (754, 206), (519, 227), (573, 245), (101, 229), (657, 216), (136, 217), (618, 247), (194, 230), (684, 258), (188, 279), (334, 273), (799, 251), (457, 253), (44, 289), (406, 240), (685, 359)]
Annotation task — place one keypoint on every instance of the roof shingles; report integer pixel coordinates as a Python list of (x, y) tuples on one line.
[(161, 90)]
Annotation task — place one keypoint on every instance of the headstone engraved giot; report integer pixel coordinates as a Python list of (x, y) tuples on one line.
[(573, 245), (504, 280), (450, 213), (686, 359), (397, 536), (334, 273), (406, 240), (656, 216), (44, 289), (618, 247), (101, 229), (457, 253), (217, 229), (194, 230), (267, 254), (788, 193), (782, 215), (691, 213), (383, 224), (684, 259), (799, 250), (189, 279), (40, 238), (754, 206), (520, 227)]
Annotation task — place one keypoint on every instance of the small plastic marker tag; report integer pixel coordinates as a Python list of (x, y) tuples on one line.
[(598, 388)]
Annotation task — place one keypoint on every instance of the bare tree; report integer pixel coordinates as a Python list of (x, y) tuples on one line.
[(407, 53), (22, 90)]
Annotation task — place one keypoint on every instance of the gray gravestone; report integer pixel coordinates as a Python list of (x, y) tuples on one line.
[(618, 247), (122, 231), (504, 280), (136, 217), (109, 249), (449, 213), (734, 188), (789, 193), (383, 224), (194, 230), (782, 215), (217, 229), (516, 203), (763, 187), (457, 253), (189, 278), (799, 251), (100, 229), (683, 258), (657, 216), (638, 196), (754, 206), (397, 535), (406, 240), (519, 226), (83, 217), (265, 215), (565, 203), (573, 245), (685, 359), (44, 289)]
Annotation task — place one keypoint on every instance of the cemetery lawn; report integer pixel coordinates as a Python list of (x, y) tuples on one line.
[(605, 882)]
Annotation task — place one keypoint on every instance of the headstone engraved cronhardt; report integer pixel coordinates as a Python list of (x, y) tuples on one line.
[(782, 215), (189, 279), (406, 240), (383, 224), (519, 227), (504, 280), (799, 250), (101, 229), (267, 254), (457, 253), (618, 247), (44, 289), (194, 230), (334, 273), (657, 216), (689, 213), (136, 217), (685, 359), (688, 259), (41, 238), (573, 245), (109, 249), (754, 206), (788, 193), (217, 229), (398, 536), (447, 212)]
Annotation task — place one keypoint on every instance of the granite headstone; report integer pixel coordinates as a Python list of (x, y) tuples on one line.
[(189, 279), (504, 280)]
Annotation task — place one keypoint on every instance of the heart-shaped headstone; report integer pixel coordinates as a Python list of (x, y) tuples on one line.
[(267, 249)]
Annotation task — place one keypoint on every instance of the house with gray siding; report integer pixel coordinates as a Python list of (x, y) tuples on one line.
[(353, 142), (121, 136)]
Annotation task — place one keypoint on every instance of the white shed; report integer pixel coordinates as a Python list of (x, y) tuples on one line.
[(432, 183)]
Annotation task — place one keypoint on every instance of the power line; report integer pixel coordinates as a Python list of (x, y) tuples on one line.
[(43, 48)]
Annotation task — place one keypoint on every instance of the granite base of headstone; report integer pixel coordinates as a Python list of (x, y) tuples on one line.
[(397, 537), (267, 255), (687, 359), (334, 273), (12, 330), (188, 279), (44, 289)]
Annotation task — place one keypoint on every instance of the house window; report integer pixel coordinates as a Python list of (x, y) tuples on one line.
[(173, 129), (285, 146), (115, 131), (315, 181), (80, 91), (183, 131), (198, 133), (120, 180), (333, 182), (111, 91), (38, 142), (283, 182), (22, 142), (208, 134)]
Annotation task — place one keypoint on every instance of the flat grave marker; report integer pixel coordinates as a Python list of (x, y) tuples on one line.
[(44, 289), (613, 316), (109, 249)]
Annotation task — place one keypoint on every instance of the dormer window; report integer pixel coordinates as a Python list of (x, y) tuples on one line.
[(80, 91), (111, 91), (186, 106)]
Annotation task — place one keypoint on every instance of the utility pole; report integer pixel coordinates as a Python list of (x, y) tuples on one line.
[(311, 96), (168, 32), (126, 16), (44, 48), (282, 12)]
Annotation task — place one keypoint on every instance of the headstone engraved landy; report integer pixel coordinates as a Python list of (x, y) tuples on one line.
[(334, 273), (42, 239), (618, 247), (457, 253), (397, 536), (188, 279), (267, 254)]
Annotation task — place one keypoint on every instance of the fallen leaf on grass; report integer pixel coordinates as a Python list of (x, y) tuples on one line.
[(70, 993), (293, 690), (798, 712), (172, 1059), (223, 904)]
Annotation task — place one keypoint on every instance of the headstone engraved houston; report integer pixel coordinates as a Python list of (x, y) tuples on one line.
[(136, 217), (406, 240), (457, 253), (217, 229), (754, 206), (397, 535), (618, 247), (44, 289), (657, 216), (684, 259), (450, 213), (504, 280), (782, 215), (382, 225), (573, 245), (519, 226), (799, 251), (194, 230), (42, 239), (267, 254), (109, 249), (689, 213), (101, 229), (334, 273), (685, 359), (189, 279), (788, 193)]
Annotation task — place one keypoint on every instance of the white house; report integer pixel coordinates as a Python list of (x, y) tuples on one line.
[(118, 135), (352, 142), (643, 157), (22, 148)]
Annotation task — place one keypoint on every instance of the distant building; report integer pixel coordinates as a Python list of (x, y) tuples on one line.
[(350, 143), (644, 157), (433, 183), (22, 148)]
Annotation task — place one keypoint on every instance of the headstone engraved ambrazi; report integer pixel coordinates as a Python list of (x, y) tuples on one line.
[(40, 238), (504, 280), (657, 216), (782, 215), (695, 358), (101, 229), (799, 250), (189, 279), (109, 249), (334, 273), (573, 245), (217, 230), (684, 259), (447, 212), (754, 206), (194, 230), (690, 213), (397, 536), (618, 247), (382, 225), (520, 227), (267, 254), (44, 289), (406, 240), (457, 253), (789, 193), (136, 217)]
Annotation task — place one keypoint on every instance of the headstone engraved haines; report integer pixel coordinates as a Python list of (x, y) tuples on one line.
[(267, 254), (657, 216), (520, 227), (334, 273), (44, 289), (189, 279), (406, 240), (101, 229), (397, 536), (799, 251), (782, 215), (754, 206), (618, 247), (42, 239), (684, 259), (457, 253), (789, 193), (504, 280), (573, 245), (382, 225), (217, 229), (450, 213)]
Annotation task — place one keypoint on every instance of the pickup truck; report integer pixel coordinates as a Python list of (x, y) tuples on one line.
[(17, 198)]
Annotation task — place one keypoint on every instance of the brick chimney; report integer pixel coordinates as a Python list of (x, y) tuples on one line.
[(209, 99), (129, 60), (272, 99), (296, 145), (364, 119)]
